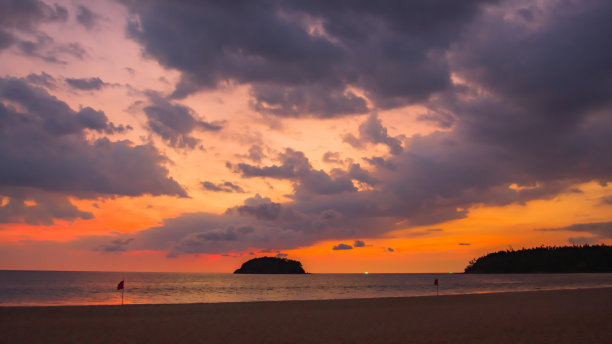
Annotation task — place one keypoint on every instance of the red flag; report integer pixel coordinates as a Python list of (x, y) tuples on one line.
[(435, 282), (120, 285)]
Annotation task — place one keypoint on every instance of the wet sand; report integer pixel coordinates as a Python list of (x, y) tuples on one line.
[(563, 316)]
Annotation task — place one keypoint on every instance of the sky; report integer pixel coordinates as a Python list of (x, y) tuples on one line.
[(398, 136)]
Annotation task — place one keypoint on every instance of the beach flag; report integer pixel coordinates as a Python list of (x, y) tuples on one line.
[(121, 287), (435, 282)]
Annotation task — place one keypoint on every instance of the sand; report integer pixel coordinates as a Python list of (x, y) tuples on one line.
[(562, 316)]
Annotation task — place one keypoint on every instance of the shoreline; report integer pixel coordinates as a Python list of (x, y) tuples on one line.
[(559, 316), (301, 300)]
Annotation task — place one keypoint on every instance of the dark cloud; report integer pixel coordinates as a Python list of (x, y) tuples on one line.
[(443, 120), (261, 208), (37, 207), (435, 230), (332, 158), (372, 132), (531, 121), (222, 187), (359, 243), (43, 79), (600, 230), (341, 247), (390, 249), (307, 180), (464, 244), (86, 84), (25, 15), (45, 149), (606, 200), (87, 17), (175, 123), (581, 240), (305, 57), (256, 153), (282, 255), (380, 162), (117, 245)]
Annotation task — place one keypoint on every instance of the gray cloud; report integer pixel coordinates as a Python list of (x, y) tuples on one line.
[(464, 244), (117, 245), (359, 243), (43, 79), (307, 180), (222, 187), (86, 84), (45, 148), (87, 17), (390, 249), (332, 158), (25, 15), (386, 49), (175, 123), (341, 247), (372, 132), (37, 207), (601, 230), (534, 110)]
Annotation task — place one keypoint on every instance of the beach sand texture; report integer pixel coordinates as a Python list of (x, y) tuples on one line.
[(562, 316)]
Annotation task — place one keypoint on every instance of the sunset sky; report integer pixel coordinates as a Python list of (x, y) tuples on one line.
[(398, 136)]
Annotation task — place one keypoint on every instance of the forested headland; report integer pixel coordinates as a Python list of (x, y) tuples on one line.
[(545, 259)]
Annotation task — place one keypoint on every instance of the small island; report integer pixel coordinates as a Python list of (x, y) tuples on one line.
[(271, 265), (545, 259)]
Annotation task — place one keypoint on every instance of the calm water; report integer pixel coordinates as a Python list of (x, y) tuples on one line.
[(90, 288)]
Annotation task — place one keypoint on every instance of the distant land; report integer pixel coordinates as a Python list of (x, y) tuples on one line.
[(545, 259), (271, 265)]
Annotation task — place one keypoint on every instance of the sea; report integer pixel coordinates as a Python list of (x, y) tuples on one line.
[(57, 288)]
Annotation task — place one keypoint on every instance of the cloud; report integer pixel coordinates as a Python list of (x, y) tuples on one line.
[(260, 207), (359, 243), (296, 167), (306, 58), (332, 158), (222, 187), (443, 120), (26, 15), (390, 249), (509, 129), (86, 84), (175, 123), (62, 160), (117, 245), (435, 230), (281, 255), (37, 207), (43, 79), (464, 244), (87, 18), (341, 247), (601, 230), (372, 132)]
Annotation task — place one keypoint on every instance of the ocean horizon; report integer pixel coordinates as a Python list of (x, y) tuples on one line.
[(61, 288)]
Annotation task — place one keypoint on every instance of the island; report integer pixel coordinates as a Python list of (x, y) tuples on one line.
[(546, 259), (271, 265)]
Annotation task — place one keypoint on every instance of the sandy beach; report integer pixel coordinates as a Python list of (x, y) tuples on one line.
[(562, 316)]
